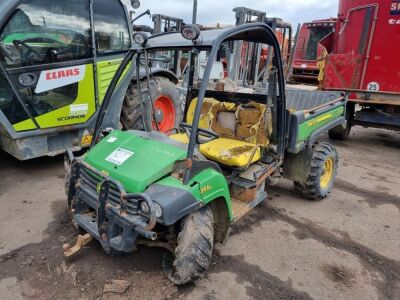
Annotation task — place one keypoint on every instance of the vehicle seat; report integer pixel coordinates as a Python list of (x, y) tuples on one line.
[(243, 131)]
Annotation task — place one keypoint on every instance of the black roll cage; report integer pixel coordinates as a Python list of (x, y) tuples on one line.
[(279, 102), (242, 32)]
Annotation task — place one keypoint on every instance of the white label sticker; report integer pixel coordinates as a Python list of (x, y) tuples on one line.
[(373, 87), (304, 66), (52, 79), (78, 109), (119, 156), (112, 139)]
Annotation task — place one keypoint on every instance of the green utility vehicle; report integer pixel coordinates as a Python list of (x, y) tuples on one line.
[(184, 190), (57, 59)]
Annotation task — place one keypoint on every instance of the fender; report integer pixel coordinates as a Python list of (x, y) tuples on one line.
[(160, 72)]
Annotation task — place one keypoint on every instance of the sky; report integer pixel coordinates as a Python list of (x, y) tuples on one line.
[(211, 12)]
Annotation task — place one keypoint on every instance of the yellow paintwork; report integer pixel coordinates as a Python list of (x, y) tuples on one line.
[(327, 174), (228, 152), (25, 125), (319, 120)]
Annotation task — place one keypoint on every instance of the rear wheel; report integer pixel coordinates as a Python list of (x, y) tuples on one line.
[(321, 174), (167, 108), (342, 132), (194, 251)]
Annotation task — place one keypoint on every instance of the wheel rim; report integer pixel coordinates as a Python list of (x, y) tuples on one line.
[(165, 114), (327, 173)]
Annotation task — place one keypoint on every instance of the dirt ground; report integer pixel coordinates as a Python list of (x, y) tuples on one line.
[(345, 247)]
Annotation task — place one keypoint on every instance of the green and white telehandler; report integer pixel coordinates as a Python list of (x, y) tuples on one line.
[(57, 59)]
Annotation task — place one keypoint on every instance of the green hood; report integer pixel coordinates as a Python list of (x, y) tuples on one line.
[(135, 161)]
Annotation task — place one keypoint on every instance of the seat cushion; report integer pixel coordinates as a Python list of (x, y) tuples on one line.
[(228, 152)]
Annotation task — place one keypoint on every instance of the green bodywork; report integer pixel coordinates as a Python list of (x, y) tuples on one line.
[(152, 162), (311, 124)]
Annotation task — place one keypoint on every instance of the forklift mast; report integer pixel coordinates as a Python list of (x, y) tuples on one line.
[(163, 23), (250, 71)]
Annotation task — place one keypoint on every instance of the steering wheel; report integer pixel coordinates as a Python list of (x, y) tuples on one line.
[(207, 134), (18, 43)]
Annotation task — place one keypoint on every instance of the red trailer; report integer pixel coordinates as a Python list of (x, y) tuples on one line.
[(305, 67), (364, 60)]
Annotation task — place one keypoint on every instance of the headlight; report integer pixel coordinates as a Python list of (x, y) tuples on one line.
[(191, 32), (158, 210), (135, 4), (146, 209), (140, 38)]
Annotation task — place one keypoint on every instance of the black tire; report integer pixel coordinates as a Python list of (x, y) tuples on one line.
[(340, 133), (313, 189), (194, 251), (131, 114)]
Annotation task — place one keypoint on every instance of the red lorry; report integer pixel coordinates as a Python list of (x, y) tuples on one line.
[(362, 57), (305, 67)]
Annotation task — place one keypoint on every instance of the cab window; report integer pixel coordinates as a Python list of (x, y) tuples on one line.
[(47, 31), (110, 24)]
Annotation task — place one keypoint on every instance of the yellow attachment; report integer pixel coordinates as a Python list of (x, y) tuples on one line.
[(232, 153), (327, 174)]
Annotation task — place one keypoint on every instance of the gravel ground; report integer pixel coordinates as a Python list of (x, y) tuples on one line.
[(345, 247)]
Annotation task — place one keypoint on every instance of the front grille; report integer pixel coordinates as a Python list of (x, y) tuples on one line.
[(90, 181)]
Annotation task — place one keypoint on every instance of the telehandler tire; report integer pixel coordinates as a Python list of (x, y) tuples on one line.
[(321, 174), (194, 251), (166, 100)]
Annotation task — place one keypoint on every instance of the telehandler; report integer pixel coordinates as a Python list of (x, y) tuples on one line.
[(57, 59), (183, 190)]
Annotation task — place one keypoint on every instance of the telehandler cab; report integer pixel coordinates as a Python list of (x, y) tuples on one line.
[(57, 59), (183, 191)]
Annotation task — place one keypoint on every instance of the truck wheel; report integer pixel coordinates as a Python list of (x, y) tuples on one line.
[(166, 99), (194, 251), (340, 132), (321, 174)]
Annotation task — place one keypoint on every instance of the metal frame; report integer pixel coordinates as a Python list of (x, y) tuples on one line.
[(280, 105)]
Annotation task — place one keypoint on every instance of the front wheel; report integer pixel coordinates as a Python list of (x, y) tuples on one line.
[(167, 107), (194, 251), (321, 174)]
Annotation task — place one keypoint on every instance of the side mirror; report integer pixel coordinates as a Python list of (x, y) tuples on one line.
[(135, 4)]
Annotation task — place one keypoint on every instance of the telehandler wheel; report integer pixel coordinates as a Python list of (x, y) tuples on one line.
[(321, 174), (194, 251), (167, 106)]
